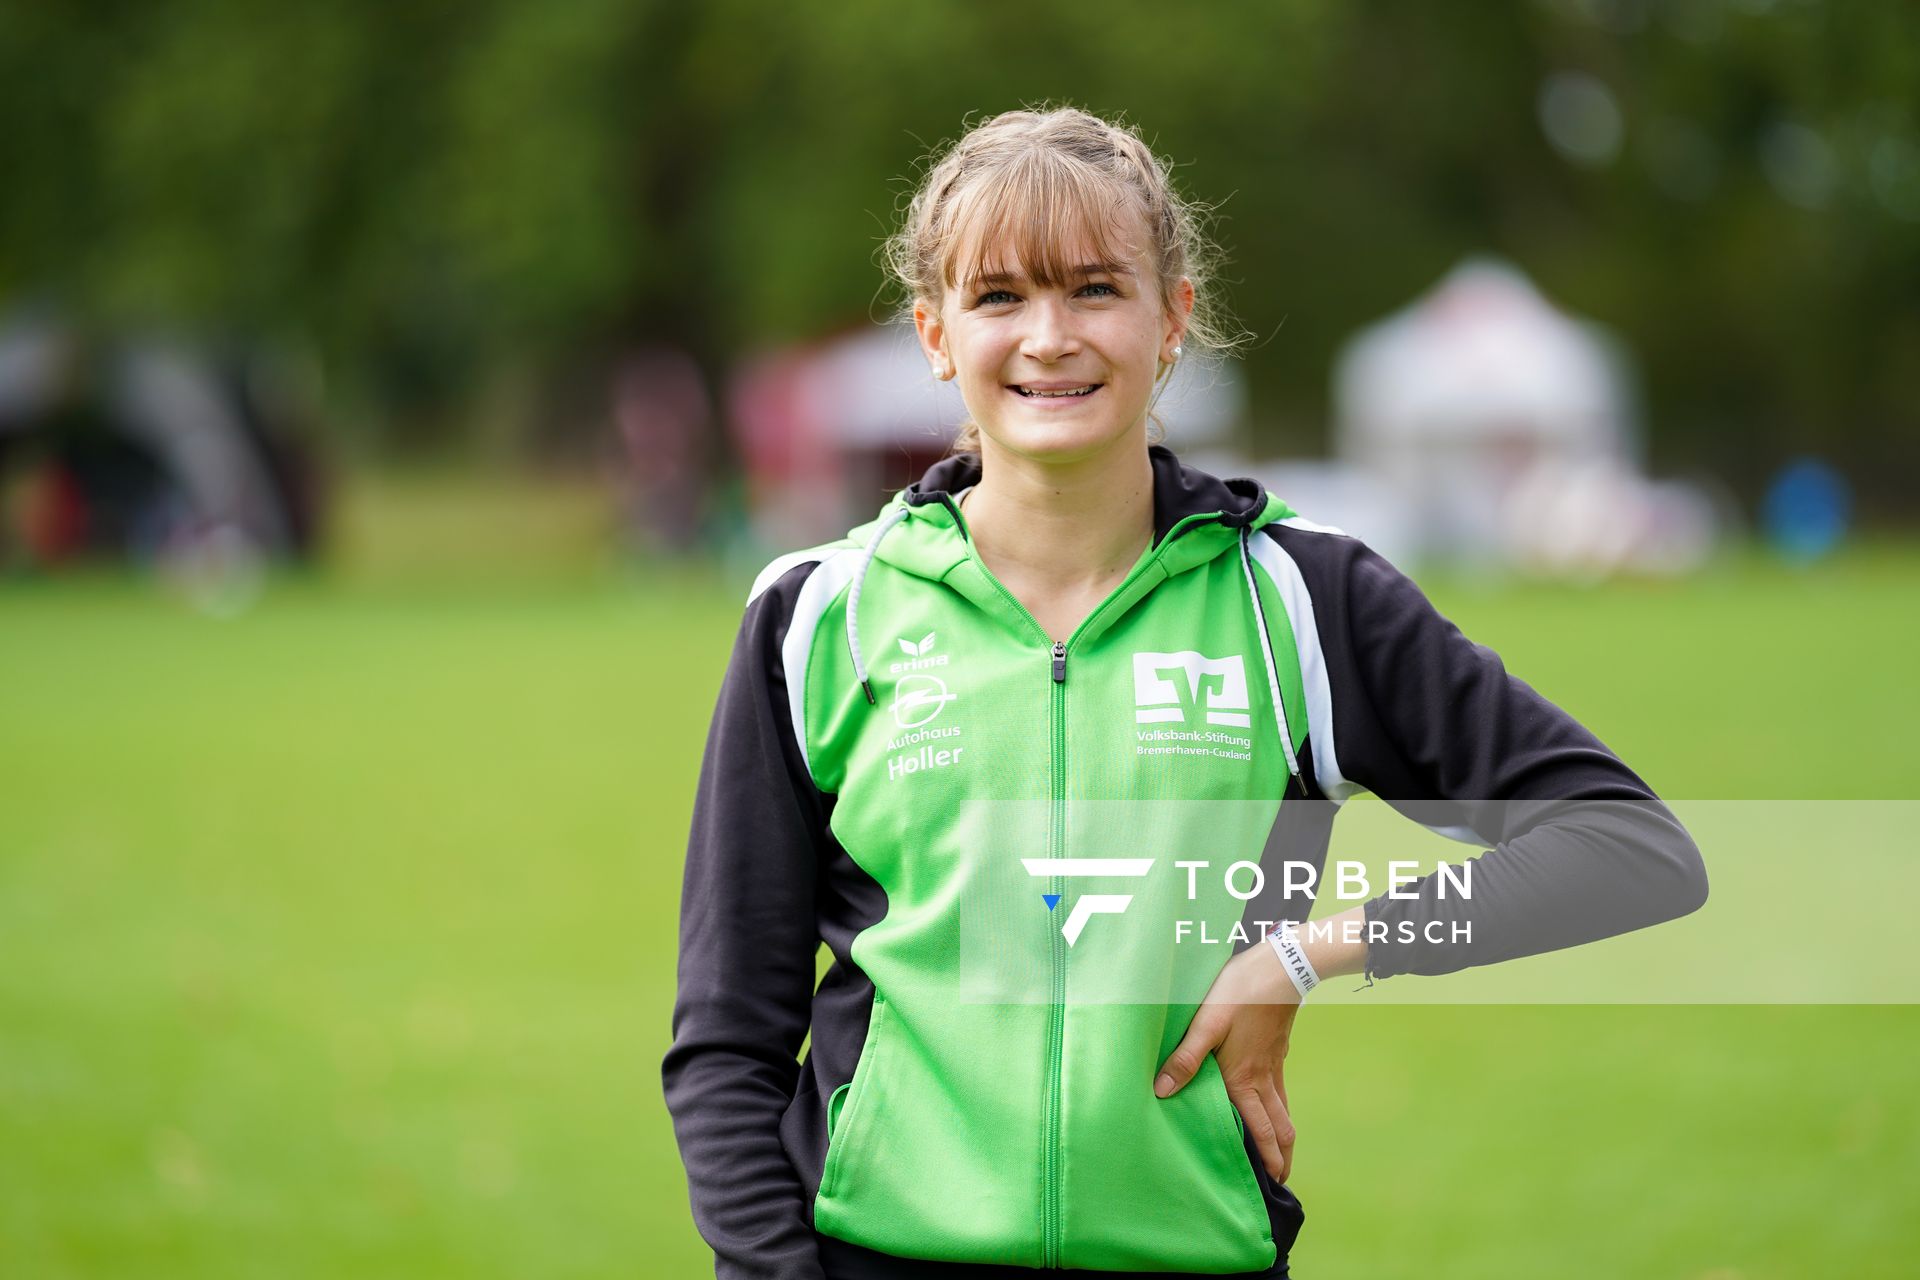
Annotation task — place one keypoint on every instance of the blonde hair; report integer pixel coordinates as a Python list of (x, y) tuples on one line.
[(1041, 181)]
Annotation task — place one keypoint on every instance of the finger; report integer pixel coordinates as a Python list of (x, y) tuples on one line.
[(1275, 1099), (1253, 1109), (1203, 1033)]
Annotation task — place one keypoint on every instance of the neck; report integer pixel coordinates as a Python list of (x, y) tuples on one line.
[(1063, 526)]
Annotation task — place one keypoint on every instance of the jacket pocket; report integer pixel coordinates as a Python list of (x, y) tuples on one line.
[(834, 1104), (934, 1147), (1284, 1213), (845, 1107), (1140, 1162), (1234, 1167)]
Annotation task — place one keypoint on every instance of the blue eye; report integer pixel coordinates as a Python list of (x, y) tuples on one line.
[(995, 297)]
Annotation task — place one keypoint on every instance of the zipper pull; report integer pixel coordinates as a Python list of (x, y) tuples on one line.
[(1059, 661)]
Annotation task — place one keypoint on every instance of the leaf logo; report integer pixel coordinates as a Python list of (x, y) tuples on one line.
[(913, 650)]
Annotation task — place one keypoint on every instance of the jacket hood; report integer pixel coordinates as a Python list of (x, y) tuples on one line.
[(1196, 516), (1178, 490)]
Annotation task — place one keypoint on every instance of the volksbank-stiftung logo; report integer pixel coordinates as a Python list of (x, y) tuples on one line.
[(1167, 687), (1087, 905)]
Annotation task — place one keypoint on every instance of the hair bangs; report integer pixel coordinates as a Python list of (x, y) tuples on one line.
[(1043, 216)]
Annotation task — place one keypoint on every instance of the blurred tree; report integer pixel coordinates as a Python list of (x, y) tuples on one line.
[(465, 206)]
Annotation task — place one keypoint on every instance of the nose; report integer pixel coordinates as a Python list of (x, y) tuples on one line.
[(1050, 334)]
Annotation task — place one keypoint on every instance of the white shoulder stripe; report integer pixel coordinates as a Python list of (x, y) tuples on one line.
[(1292, 587), (817, 594), (1310, 526), (785, 564)]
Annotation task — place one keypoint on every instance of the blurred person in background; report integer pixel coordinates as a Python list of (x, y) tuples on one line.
[(1059, 615), (132, 448), (665, 419)]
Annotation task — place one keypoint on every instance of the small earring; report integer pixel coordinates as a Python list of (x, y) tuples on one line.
[(1176, 351)]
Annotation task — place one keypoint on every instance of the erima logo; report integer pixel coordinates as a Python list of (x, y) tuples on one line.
[(1166, 686), (1087, 905), (916, 651)]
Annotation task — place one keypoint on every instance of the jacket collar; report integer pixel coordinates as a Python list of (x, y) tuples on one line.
[(1178, 490)]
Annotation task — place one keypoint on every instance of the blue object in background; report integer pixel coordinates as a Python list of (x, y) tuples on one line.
[(1807, 509)]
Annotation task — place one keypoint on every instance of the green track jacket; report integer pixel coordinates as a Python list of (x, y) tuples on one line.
[(985, 827)]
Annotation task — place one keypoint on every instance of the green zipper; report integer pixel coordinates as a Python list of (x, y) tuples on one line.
[(1057, 1011), (1057, 650)]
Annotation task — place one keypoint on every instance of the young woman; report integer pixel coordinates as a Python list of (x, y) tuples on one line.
[(998, 749)]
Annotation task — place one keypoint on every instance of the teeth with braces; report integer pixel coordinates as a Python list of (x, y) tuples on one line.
[(1083, 391)]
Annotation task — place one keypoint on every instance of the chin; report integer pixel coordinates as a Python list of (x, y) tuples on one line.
[(1065, 441)]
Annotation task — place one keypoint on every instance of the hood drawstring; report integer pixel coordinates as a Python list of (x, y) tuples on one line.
[(1266, 654), (853, 597)]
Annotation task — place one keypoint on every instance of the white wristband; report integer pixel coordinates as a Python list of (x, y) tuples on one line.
[(1293, 958)]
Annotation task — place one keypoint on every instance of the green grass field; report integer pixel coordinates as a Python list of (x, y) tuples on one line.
[(337, 938)]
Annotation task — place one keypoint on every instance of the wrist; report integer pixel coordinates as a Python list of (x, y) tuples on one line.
[(1298, 967), (1337, 945)]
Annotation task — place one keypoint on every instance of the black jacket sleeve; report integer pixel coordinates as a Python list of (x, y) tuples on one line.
[(1581, 848), (748, 938)]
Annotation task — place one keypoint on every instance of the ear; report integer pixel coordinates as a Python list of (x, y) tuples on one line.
[(1179, 309), (933, 338)]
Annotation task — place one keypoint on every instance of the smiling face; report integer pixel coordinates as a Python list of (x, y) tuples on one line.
[(1056, 352)]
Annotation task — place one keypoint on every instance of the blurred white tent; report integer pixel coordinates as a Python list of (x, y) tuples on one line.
[(1501, 430)]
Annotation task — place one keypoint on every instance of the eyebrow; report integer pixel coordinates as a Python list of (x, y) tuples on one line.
[(1087, 269)]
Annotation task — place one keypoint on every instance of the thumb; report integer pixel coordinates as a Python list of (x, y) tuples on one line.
[(1186, 1058)]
